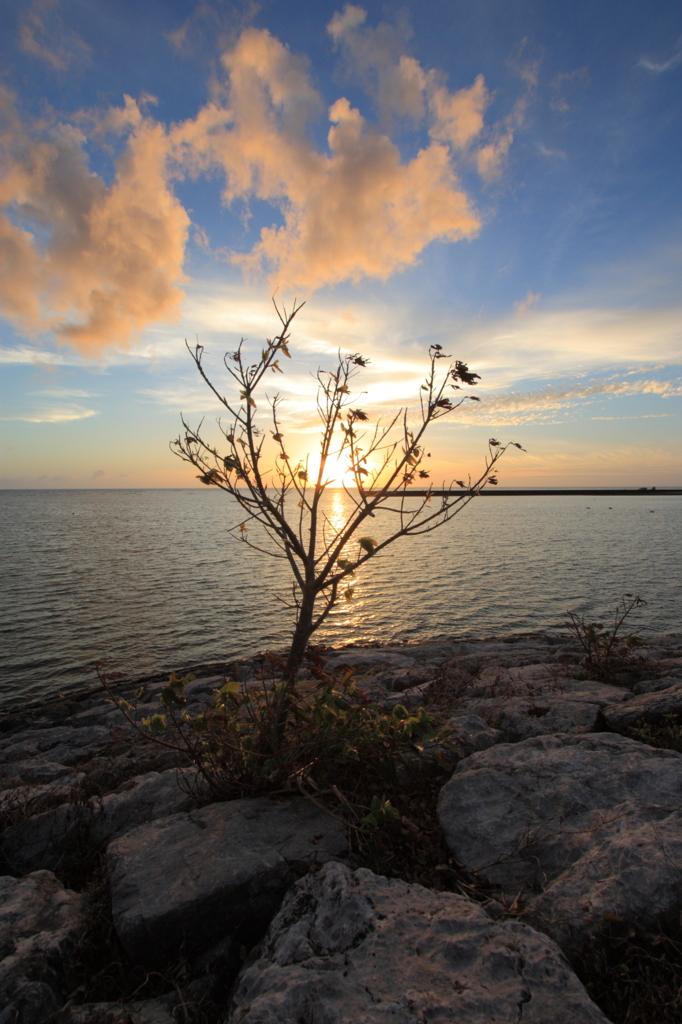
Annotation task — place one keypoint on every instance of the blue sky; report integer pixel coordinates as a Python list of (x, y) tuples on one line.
[(500, 178)]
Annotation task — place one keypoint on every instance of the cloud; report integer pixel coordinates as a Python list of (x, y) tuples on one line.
[(64, 392), (96, 261), (92, 262), (28, 355), (403, 89), (42, 35), (357, 210), (660, 66), (63, 414), (525, 304), (526, 407)]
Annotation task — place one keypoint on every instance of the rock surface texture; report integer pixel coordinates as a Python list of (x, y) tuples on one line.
[(40, 924), (583, 825), (349, 947), (222, 870), (563, 814)]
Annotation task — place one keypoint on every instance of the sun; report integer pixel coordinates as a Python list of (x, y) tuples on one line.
[(337, 472)]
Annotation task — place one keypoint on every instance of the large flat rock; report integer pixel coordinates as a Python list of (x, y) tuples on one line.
[(646, 709), (582, 825), (197, 877), (355, 948)]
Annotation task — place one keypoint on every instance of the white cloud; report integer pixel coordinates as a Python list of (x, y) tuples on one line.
[(62, 414)]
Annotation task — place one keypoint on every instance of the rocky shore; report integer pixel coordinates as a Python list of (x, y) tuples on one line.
[(255, 910)]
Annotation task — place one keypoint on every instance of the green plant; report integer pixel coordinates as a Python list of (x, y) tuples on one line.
[(367, 766), (665, 733), (281, 497), (333, 735), (608, 652)]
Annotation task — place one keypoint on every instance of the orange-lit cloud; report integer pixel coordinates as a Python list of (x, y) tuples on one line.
[(356, 210), (96, 261), (525, 304), (91, 262), (402, 88)]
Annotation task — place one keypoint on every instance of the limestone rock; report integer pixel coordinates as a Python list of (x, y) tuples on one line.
[(583, 825), (39, 842), (518, 718), (647, 709), (40, 923), (350, 947), (144, 798), (206, 874), (654, 685), (469, 733)]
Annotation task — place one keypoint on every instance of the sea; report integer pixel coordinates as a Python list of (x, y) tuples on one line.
[(148, 581)]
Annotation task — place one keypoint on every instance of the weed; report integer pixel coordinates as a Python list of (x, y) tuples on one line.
[(634, 977), (665, 733), (608, 652)]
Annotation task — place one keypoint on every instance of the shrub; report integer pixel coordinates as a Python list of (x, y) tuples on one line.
[(608, 652)]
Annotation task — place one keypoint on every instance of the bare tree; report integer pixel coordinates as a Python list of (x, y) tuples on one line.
[(285, 499)]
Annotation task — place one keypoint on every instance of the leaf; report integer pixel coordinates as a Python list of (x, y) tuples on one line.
[(492, 480), (303, 476), (156, 724), (367, 544), (461, 372), (358, 414), (423, 474), (346, 563), (348, 594), (358, 360), (230, 687), (493, 443), (209, 477), (276, 437)]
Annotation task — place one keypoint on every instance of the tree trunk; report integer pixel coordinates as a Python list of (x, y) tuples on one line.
[(299, 643)]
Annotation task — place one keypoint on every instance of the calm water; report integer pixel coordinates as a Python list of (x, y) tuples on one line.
[(149, 579)]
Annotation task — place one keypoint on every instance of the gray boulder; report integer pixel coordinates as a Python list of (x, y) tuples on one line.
[(653, 685), (647, 709), (41, 840), (144, 798), (468, 733), (583, 826), (40, 924), (350, 947), (66, 745), (201, 876), (518, 718)]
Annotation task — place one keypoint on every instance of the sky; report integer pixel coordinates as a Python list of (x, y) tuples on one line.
[(502, 179)]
